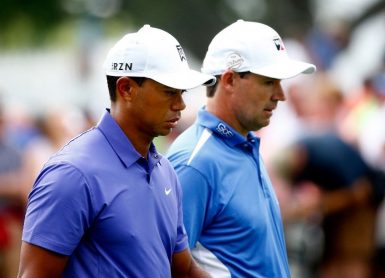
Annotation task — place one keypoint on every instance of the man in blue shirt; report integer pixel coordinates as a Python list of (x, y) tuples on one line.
[(107, 204), (231, 212)]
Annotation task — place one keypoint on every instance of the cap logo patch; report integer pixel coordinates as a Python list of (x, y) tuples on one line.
[(222, 129), (121, 66), (279, 44), (181, 53), (234, 60)]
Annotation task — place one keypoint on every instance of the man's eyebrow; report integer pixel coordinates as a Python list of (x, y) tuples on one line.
[(269, 78), (166, 88)]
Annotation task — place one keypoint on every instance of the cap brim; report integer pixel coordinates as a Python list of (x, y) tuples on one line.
[(285, 69), (184, 80)]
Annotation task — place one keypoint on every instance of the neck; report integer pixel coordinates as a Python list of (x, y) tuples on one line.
[(220, 109), (142, 145), (140, 141)]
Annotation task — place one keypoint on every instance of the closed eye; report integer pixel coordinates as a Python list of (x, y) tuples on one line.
[(272, 82)]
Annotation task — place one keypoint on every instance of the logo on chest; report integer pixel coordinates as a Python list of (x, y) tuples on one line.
[(167, 190)]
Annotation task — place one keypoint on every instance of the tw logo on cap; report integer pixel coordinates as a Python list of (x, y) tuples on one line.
[(181, 53), (279, 44)]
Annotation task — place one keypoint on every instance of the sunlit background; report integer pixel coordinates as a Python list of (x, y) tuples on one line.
[(51, 52)]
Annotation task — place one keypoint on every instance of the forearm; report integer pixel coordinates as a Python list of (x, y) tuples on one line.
[(184, 266), (358, 194), (196, 271)]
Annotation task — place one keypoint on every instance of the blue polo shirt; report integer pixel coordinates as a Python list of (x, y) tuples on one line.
[(113, 212), (231, 212)]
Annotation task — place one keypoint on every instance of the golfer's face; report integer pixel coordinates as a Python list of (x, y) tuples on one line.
[(158, 107)]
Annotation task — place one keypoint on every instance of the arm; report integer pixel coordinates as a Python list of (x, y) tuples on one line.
[(57, 215), (39, 262), (183, 265), (308, 200), (358, 194)]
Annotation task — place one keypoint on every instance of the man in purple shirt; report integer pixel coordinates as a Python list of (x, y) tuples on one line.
[(107, 204)]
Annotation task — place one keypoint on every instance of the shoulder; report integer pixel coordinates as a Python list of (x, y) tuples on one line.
[(198, 150), (75, 165), (61, 176), (85, 152), (194, 142)]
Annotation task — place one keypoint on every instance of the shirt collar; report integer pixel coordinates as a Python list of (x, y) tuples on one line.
[(224, 131), (121, 144)]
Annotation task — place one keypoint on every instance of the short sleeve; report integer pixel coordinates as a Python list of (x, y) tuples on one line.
[(196, 192), (59, 209)]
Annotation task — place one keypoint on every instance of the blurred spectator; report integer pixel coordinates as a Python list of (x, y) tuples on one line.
[(313, 105), (363, 108), (318, 103), (314, 109), (56, 127), (317, 108), (371, 138), (326, 41), (11, 205), (346, 203), (371, 142)]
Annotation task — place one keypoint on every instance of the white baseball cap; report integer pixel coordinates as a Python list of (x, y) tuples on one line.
[(155, 54), (251, 46)]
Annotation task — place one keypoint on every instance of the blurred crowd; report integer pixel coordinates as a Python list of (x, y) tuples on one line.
[(324, 148), (26, 142)]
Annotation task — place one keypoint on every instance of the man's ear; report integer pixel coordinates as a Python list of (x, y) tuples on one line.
[(227, 79), (125, 87)]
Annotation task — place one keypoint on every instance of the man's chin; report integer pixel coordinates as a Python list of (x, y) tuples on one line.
[(164, 132)]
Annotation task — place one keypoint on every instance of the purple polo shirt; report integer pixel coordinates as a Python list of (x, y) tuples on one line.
[(114, 213)]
